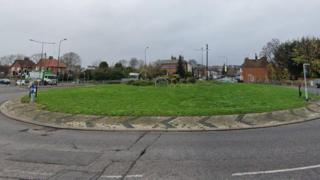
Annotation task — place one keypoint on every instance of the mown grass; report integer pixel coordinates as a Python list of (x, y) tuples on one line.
[(183, 100)]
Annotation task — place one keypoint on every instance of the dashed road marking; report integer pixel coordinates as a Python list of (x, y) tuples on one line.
[(276, 171), (119, 176)]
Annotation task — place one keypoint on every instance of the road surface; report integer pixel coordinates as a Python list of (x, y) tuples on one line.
[(32, 152)]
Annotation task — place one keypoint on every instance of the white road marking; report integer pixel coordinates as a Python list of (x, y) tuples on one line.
[(276, 171), (27, 172), (119, 177)]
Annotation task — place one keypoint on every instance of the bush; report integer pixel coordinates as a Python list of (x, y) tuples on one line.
[(184, 81), (140, 83), (192, 80)]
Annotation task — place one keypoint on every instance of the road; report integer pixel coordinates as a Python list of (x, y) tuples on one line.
[(32, 152)]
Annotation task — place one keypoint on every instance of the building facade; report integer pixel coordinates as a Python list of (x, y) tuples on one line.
[(170, 66), (52, 65), (255, 70), (21, 66)]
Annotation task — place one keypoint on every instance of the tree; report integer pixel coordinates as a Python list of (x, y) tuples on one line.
[(193, 62), (103, 65), (307, 50), (123, 62), (133, 63), (181, 67), (269, 49), (35, 57), (73, 63), (9, 59)]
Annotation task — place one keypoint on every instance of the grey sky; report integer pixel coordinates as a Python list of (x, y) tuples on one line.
[(120, 29)]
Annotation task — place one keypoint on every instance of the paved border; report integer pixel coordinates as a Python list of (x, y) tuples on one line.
[(13, 110)]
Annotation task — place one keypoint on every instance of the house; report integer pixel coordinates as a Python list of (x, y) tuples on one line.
[(255, 70), (4, 71), (52, 65), (21, 66), (170, 66)]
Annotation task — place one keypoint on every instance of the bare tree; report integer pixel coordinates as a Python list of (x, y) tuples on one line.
[(269, 49), (133, 63), (9, 59), (36, 57), (72, 61), (193, 62), (124, 62)]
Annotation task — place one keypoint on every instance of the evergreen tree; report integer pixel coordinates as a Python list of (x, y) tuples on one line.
[(181, 67)]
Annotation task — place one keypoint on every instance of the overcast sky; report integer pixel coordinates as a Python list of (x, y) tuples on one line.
[(120, 29)]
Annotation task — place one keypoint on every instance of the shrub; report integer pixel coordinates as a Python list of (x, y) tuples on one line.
[(141, 83), (184, 81), (192, 80)]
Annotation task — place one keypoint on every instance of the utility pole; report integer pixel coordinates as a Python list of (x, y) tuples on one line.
[(145, 61), (207, 59), (58, 71), (305, 80), (42, 45)]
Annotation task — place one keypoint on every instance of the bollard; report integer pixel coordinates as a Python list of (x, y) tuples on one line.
[(32, 98)]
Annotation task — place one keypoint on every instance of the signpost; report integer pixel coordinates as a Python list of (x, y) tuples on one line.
[(305, 80)]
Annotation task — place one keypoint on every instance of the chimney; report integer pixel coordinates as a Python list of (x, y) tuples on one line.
[(50, 57), (26, 58)]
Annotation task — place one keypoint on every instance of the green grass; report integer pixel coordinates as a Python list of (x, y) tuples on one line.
[(183, 100)]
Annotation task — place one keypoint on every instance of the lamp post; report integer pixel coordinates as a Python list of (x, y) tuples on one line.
[(145, 61), (42, 45), (305, 80), (58, 72)]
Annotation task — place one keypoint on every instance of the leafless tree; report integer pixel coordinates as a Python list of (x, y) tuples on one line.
[(9, 59), (133, 63), (269, 49), (72, 61), (35, 57)]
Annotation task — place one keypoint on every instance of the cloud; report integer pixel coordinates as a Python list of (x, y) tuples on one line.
[(120, 29)]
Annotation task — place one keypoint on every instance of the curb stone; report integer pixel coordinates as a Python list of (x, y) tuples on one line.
[(159, 123)]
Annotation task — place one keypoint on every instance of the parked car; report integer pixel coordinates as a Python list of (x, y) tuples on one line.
[(4, 81), (316, 82), (21, 82)]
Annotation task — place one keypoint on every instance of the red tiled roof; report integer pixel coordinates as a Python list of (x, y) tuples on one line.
[(26, 63), (50, 63), (255, 63)]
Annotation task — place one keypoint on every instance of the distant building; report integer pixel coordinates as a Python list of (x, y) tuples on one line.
[(21, 66), (52, 65), (170, 66), (255, 70), (4, 71)]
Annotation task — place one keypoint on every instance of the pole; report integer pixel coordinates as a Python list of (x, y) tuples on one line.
[(42, 45), (305, 81), (58, 73), (207, 59), (145, 61)]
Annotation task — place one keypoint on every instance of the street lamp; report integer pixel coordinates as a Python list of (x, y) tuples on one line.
[(145, 61), (60, 47), (42, 45), (58, 73), (305, 80)]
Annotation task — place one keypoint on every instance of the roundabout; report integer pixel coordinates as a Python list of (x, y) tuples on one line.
[(30, 151)]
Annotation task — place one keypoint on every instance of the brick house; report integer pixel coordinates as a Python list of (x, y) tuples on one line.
[(170, 66), (255, 70), (4, 71), (52, 65), (21, 66)]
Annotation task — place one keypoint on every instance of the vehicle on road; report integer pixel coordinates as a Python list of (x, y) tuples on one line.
[(316, 82), (21, 82), (43, 76), (50, 79), (4, 81)]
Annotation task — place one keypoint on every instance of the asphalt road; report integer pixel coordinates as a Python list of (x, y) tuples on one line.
[(32, 152)]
